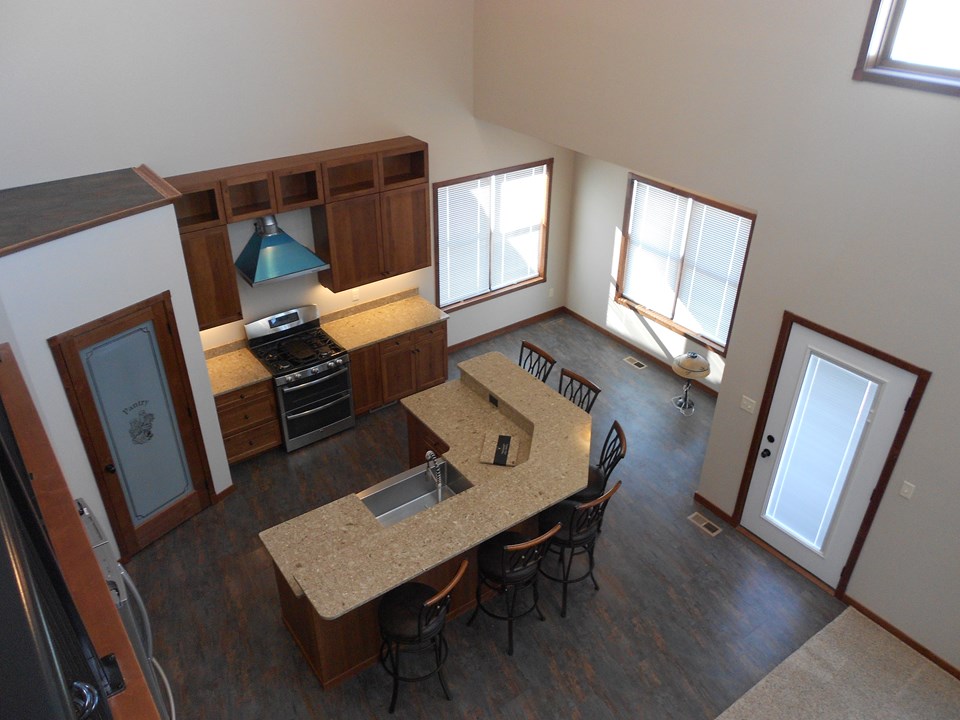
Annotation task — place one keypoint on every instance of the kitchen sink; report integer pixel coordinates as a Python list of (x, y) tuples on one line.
[(409, 492)]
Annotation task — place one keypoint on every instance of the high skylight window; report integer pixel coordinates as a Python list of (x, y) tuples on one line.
[(912, 43)]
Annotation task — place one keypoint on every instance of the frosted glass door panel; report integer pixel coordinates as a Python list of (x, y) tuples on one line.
[(126, 375), (822, 441)]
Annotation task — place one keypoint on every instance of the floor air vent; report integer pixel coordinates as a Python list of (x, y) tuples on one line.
[(633, 361), (704, 524)]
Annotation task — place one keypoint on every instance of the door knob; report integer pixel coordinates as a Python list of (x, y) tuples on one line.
[(765, 453), (110, 468)]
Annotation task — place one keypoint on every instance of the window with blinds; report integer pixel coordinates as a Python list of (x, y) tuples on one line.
[(912, 43), (491, 232), (683, 259)]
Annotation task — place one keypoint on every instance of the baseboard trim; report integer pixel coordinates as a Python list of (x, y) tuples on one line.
[(504, 330), (221, 496), (701, 500), (902, 636)]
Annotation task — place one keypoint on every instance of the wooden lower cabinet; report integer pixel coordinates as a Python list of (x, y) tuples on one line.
[(365, 378), (414, 361), (248, 421)]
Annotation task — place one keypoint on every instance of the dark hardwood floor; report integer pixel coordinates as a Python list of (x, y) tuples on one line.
[(683, 624)]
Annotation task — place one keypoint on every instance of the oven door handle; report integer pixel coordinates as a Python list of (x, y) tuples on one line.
[(345, 396), (291, 388)]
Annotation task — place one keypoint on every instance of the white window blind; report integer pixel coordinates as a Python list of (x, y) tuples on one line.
[(490, 232), (684, 259)]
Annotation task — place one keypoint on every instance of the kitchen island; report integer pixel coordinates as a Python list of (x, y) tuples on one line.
[(333, 563)]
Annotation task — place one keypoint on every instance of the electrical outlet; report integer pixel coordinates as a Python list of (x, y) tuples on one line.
[(748, 404), (906, 490), (550, 292), (355, 297)]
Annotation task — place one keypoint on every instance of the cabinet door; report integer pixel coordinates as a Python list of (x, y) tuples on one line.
[(365, 377), (406, 229), (213, 278), (431, 353), (353, 234), (398, 368)]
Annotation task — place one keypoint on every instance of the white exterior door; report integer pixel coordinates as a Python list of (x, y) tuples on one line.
[(833, 418)]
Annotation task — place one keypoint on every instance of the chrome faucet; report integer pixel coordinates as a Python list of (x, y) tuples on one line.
[(433, 467)]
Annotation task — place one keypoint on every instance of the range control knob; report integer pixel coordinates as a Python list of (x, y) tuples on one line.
[(339, 361), (331, 364)]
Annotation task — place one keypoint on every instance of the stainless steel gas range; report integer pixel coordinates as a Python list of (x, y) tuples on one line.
[(311, 373)]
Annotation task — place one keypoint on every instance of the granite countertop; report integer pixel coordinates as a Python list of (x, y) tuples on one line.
[(382, 322), (341, 557), (234, 370)]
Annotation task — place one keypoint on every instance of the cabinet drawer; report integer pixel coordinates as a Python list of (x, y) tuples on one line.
[(254, 441), (244, 394), (241, 416)]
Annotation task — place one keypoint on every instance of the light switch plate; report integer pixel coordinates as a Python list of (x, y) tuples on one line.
[(906, 490), (748, 404)]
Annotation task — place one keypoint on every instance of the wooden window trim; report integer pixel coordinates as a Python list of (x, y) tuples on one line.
[(875, 65), (541, 276), (656, 317)]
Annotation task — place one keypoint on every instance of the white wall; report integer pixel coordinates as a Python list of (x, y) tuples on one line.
[(855, 186), (59, 285), (185, 86)]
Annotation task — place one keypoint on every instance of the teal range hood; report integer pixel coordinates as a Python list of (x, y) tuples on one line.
[(271, 254)]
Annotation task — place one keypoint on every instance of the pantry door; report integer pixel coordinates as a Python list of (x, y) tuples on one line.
[(834, 424), (128, 387)]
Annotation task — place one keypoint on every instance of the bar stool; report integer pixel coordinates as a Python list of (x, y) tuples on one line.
[(508, 564), (578, 390), (581, 525), (412, 617), (535, 361), (613, 451)]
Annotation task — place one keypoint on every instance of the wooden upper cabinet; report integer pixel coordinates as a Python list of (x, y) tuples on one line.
[(199, 206), (212, 275), (351, 176), (347, 235), (249, 196), (405, 221), (298, 187), (403, 166)]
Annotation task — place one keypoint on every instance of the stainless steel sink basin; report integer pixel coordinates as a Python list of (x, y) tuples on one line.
[(407, 493)]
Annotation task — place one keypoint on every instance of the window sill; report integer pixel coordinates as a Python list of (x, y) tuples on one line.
[(673, 326), (523, 285), (942, 84)]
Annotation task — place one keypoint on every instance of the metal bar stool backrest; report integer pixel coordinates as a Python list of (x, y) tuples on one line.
[(614, 450), (535, 361), (435, 608), (585, 519), (520, 561), (578, 390)]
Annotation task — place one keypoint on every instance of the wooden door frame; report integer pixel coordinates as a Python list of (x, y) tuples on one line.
[(923, 377), (66, 355)]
